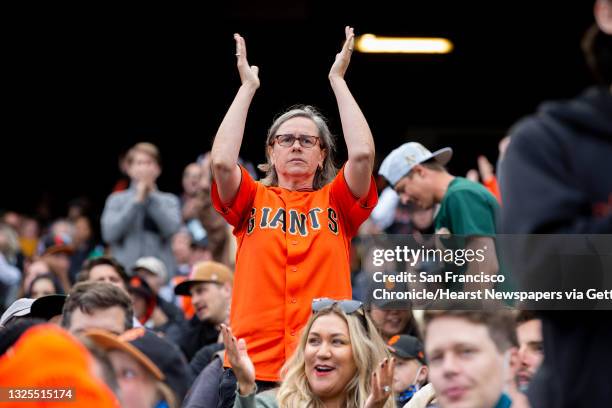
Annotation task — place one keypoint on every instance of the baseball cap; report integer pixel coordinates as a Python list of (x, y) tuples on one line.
[(19, 308), (46, 356), (140, 287), (407, 346), (152, 264), (160, 357), (401, 160), (206, 271), (57, 243), (45, 307)]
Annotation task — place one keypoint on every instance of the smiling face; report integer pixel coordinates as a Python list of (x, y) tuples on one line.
[(390, 322), (328, 357), (296, 162), (465, 366)]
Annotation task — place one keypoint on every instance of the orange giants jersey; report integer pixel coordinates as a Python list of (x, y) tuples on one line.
[(293, 246)]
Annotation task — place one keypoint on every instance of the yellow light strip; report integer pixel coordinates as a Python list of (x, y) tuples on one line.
[(369, 43)]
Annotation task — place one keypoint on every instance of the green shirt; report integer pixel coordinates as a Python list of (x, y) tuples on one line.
[(467, 208)]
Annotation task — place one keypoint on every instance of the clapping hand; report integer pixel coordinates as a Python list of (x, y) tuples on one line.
[(249, 74), (243, 367), (343, 58)]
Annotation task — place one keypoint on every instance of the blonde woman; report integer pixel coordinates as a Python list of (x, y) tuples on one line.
[(341, 361)]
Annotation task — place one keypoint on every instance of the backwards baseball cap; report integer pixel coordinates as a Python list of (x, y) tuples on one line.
[(45, 307), (153, 265), (160, 357), (401, 160), (206, 271), (19, 308), (56, 244), (407, 346)]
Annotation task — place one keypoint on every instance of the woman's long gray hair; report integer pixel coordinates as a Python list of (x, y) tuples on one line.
[(323, 175)]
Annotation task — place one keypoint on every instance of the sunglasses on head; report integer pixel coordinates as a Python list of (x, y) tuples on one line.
[(347, 306)]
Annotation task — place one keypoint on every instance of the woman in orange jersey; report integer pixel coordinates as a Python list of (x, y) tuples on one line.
[(293, 228)]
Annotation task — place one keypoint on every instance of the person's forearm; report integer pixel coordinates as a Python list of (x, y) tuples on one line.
[(226, 146), (357, 134)]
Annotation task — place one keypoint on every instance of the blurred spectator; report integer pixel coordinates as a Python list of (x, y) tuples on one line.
[(219, 238), (556, 180), (97, 305), (182, 250), (77, 208), (10, 275), (149, 368), (486, 175), (141, 221), (147, 309), (62, 227), (43, 285), (48, 357), (210, 289), (165, 314), (12, 219), (28, 236), (191, 186), (391, 317), (152, 270), (185, 255), (56, 251), (84, 246), (469, 355), (531, 347), (104, 269), (36, 268), (410, 372)]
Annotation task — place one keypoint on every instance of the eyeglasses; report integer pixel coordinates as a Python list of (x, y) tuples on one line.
[(347, 306), (288, 140)]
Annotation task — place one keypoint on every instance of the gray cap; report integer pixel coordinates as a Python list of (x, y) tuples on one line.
[(401, 160), (153, 265), (20, 307)]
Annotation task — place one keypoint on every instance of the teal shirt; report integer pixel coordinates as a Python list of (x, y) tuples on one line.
[(504, 402), (467, 208)]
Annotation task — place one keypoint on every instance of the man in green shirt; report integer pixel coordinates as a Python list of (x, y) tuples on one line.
[(466, 208)]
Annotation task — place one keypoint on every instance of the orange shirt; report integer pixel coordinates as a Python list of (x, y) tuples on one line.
[(293, 247)]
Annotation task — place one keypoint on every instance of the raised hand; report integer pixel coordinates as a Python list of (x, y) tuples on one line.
[(382, 378), (243, 367), (249, 75), (343, 58)]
